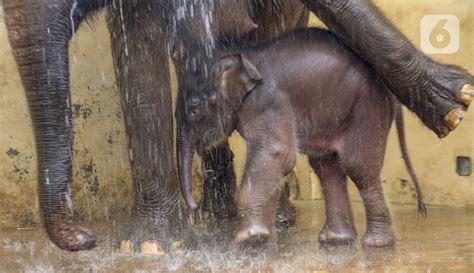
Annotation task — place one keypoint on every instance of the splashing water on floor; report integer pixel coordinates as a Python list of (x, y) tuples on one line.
[(443, 242)]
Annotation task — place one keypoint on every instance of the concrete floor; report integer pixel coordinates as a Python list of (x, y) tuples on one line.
[(444, 242)]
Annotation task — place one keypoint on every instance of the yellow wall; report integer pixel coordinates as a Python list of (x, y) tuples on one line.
[(101, 147)]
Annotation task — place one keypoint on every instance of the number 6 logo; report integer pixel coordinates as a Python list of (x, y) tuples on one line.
[(440, 34)]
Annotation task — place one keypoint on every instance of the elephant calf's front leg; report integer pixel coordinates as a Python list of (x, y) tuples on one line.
[(267, 163)]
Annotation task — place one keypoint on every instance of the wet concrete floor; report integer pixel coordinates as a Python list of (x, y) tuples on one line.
[(443, 242)]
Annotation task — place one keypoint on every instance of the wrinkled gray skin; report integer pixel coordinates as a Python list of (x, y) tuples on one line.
[(141, 32), (303, 92)]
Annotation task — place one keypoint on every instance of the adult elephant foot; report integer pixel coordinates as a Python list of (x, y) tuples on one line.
[(152, 236), (153, 248), (466, 94), (379, 235), (439, 94), (340, 235), (443, 97), (149, 247)]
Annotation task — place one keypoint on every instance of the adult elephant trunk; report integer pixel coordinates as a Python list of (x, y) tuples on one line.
[(185, 152), (39, 34)]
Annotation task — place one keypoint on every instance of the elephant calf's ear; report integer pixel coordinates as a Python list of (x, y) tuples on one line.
[(253, 76), (236, 77)]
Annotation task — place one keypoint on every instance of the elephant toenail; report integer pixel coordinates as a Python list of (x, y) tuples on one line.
[(152, 248), (379, 243), (467, 92), (178, 247), (444, 132), (454, 118), (126, 246)]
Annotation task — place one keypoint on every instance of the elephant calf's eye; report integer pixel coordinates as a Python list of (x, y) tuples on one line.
[(194, 113)]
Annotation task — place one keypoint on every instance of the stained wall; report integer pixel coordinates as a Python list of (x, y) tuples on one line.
[(102, 181)]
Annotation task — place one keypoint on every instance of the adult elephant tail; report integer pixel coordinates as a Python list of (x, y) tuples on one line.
[(403, 147)]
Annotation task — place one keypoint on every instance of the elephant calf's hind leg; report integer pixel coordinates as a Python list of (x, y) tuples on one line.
[(339, 227)]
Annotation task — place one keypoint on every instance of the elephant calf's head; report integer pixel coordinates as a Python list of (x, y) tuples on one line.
[(207, 108)]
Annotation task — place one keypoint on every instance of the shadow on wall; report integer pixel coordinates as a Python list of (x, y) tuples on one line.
[(102, 187)]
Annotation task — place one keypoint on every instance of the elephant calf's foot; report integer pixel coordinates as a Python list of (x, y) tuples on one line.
[(442, 97), (337, 236), (253, 235), (73, 238), (381, 236)]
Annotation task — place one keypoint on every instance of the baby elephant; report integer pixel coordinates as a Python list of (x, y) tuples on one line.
[(303, 92)]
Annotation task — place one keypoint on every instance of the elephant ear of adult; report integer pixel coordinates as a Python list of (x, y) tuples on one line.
[(237, 76)]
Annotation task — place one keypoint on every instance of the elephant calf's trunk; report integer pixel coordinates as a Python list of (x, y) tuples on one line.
[(185, 163)]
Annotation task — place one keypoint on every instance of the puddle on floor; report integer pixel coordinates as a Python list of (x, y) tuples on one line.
[(443, 242)]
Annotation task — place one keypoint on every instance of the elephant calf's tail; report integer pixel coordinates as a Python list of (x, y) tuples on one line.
[(403, 147)]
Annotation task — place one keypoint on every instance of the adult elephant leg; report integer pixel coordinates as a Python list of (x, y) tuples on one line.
[(39, 33), (439, 94), (219, 184), (141, 60)]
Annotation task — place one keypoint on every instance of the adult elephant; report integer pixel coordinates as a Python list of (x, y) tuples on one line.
[(141, 30)]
